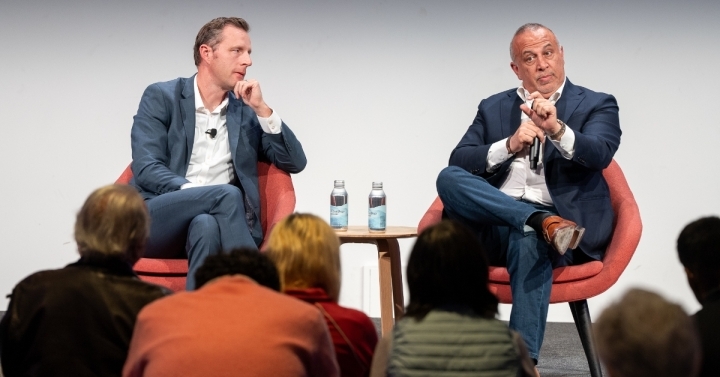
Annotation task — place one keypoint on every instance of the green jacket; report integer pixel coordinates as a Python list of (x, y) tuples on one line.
[(456, 344)]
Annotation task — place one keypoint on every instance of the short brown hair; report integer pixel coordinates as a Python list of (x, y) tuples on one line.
[(210, 33), (306, 252), (113, 221)]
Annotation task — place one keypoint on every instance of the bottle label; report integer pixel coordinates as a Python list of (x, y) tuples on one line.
[(376, 218), (339, 216)]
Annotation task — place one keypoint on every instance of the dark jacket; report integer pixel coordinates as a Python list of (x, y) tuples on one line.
[(577, 187), (709, 330), (75, 321)]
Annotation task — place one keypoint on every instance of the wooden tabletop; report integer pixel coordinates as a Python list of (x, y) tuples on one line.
[(360, 231)]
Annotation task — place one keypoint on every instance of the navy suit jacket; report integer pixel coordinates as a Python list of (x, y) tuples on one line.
[(577, 187), (163, 134)]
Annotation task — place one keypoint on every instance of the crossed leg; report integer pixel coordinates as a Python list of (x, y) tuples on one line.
[(197, 222)]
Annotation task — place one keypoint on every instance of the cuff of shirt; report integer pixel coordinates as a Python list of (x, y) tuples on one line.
[(271, 124), (497, 154), (188, 185), (566, 144)]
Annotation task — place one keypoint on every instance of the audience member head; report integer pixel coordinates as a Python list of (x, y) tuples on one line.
[(698, 248), (113, 222), (306, 252), (448, 267), (248, 262), (211, 33), (645, 335)]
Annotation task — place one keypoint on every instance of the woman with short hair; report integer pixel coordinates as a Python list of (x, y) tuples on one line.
[(306, 252)]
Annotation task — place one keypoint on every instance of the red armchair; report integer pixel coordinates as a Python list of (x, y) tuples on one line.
[(575, 284), (277, 200)]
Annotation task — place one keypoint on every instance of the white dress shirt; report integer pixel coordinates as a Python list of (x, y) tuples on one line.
[(523, 182), (211, 160)]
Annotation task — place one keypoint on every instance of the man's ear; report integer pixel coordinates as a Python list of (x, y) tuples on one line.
[(515, 69), (205, 52)]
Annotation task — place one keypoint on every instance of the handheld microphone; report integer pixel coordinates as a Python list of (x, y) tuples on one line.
[(535, 153), (212, 132)]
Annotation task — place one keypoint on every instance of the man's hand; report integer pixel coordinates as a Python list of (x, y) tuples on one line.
[(525, 135), (250, 93), (543, 113)]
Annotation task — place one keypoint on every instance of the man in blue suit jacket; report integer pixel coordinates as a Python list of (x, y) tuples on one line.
[(195, 145), (529, 216)]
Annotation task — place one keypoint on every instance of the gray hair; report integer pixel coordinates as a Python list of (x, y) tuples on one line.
[(531, 26), (645, 335)]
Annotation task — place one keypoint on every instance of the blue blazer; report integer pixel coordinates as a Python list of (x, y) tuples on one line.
[(163, 134), (577, 187)]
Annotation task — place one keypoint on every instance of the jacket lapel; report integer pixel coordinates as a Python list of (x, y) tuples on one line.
[(233, 121), (510, 114), (566, 105), (569, 101), (187, 109)]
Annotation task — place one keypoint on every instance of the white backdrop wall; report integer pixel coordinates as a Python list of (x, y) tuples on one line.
[(375, 90)]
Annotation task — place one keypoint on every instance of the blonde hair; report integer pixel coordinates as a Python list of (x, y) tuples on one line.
[(306, 252), (113, 221)]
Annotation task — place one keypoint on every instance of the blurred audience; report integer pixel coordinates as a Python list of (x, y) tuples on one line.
[(645, 335), (449, 328), (698, 247), (234, 324), (78, 320), (306, 252)]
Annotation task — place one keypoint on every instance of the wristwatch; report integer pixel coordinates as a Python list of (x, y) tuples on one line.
[(557, 135)]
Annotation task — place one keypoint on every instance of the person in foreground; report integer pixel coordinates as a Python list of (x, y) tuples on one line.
[(449, 327), (78, 320), (195, 146), (235, 324), (307, 253), (643, 335), (529, 216), (698, 247)]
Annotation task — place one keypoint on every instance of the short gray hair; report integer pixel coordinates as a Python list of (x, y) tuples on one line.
[(645, 335), (530, 26)]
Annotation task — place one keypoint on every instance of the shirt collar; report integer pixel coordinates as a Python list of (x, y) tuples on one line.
[(524, 94), (199, 106)]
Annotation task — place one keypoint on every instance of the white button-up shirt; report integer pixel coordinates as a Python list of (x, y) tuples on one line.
[(211, 160), (523, 182)]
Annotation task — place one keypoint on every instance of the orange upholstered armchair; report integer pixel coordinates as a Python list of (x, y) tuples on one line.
[(277, 200), (575, 284)]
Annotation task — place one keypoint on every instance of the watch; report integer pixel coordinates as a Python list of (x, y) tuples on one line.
[(557, 135)]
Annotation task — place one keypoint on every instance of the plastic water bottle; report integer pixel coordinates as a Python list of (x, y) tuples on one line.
[(339, 206), (376, 211)]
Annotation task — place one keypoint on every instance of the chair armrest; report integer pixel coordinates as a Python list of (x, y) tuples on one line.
[(432, 216)]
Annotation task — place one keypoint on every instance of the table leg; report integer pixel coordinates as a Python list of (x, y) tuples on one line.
[(391, 287)]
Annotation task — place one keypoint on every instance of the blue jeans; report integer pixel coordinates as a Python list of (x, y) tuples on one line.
[(500, 221), (195, 223)]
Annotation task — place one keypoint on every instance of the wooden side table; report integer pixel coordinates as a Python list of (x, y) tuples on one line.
[(391, 288)]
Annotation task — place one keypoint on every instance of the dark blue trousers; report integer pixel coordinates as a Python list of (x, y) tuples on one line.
[(500, 222), (197, 222)]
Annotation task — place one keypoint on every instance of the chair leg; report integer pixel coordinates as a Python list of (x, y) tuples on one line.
[(581, 315)]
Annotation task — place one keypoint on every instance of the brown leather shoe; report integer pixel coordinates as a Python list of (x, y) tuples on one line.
[(561, 234)]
